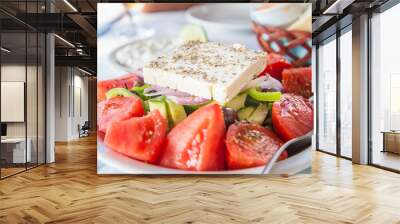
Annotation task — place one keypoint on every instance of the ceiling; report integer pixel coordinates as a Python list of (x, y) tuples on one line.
[(331, 15), (76, 25)]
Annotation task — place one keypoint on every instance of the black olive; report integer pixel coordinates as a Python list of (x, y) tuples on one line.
[(230, 116)]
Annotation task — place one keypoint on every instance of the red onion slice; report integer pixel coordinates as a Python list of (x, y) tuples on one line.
[(177, 93), (158, 90), (255, 82), (153, 88), (188, 100), (271, 83), (156, 93)]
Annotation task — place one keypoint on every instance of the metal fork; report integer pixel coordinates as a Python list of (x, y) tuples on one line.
[(301, 142)]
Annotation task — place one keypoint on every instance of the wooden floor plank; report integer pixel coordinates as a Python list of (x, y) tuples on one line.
[(70, 191)]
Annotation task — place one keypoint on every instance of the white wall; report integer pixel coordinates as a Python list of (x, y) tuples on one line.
[(70, 83), (61, 103)]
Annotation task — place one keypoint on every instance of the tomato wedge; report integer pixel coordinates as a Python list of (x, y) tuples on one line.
[(195, 143), (275, 65), (139, 137), (250, 145), (298, 81), (127, 81), (292, 116), (117, 109)]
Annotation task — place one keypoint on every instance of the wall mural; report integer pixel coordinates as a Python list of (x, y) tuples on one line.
[(218, 88)]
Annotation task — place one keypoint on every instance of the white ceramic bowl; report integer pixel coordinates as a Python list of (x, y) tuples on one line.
[(281, 14), (124, 58), (116, 163), (231, 16)]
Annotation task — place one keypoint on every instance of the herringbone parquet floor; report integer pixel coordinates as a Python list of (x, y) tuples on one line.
[(70, 191)]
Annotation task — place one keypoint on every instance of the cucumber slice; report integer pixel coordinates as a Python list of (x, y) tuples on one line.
[(191, 108), (270, 106), (251, 102), (176, 112), (259, 114), (139, 89), (146, 106), (159, 99), (158, 105), (265, 96), (237, 102), (193, 32), (245, 113), (114, 92)]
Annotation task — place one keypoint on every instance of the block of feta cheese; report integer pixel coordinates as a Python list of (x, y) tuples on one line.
[(210, 70)]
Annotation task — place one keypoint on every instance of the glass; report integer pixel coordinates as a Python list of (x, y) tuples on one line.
[(14, 151), (23, 83), (126, 26), (346, 94), (385, 87), (327, 96)]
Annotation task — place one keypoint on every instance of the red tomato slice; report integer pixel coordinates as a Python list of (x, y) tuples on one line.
[(275, 65), (139, 137), (195, 143), (127, 81), (298, 81), (118, 109), (292, 116), (250, 145)]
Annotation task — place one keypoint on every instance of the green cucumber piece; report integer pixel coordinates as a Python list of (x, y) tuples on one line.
[(146, 106), (159, 99), (191, 108), (245, 113), (259, 114), (158, 105), (250, 102), (114, 92), (193, 32), (140, 89), (264, 96), (176, 112), (270, 106), (268, 121), (237, 102)]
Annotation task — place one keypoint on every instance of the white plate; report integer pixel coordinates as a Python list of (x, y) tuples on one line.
[(117, 163), (232, 16)]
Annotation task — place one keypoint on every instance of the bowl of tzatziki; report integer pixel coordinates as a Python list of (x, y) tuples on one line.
[(133, 55)]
